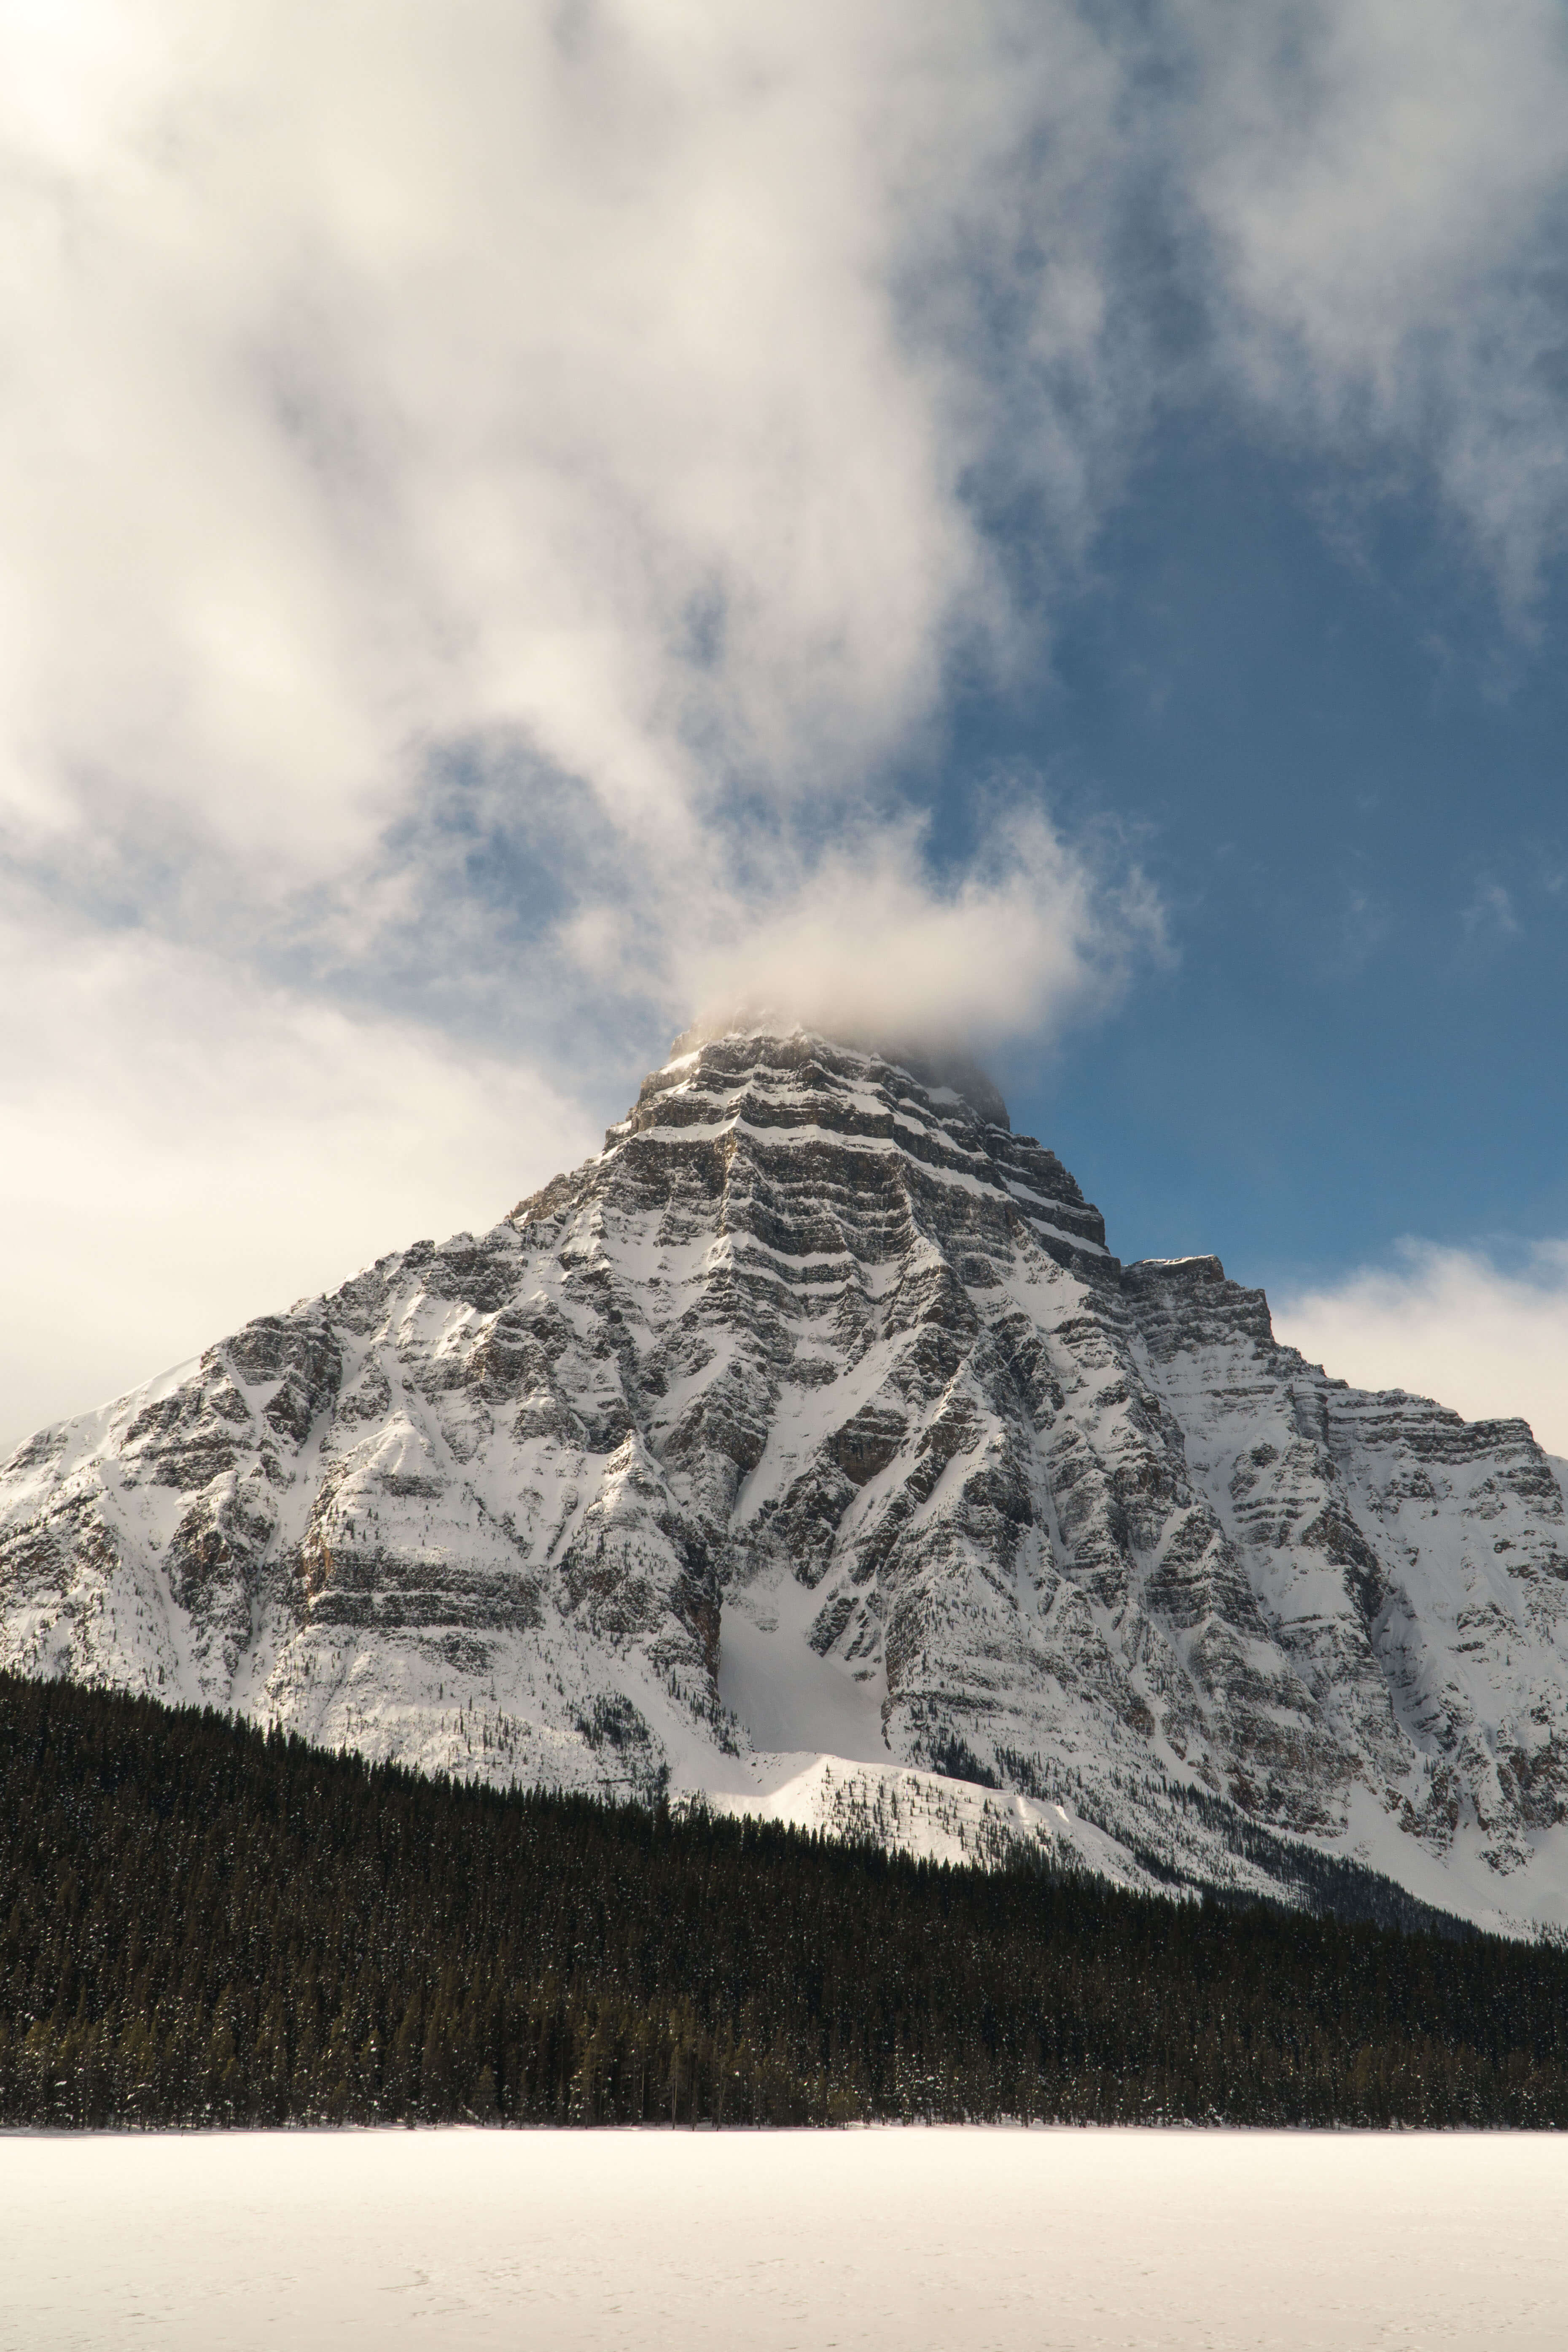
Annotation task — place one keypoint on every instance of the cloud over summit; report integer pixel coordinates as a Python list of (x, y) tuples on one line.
[(1028, 938), (494, 502)]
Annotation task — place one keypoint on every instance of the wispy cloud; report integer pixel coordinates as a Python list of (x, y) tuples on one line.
[(640, 384), (867, 943), (184, 1150), (1365, 924), (641, 412), (1489, 913), (1384, 191)]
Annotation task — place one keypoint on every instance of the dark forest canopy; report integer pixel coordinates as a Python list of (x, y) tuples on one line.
[(202, 1923)]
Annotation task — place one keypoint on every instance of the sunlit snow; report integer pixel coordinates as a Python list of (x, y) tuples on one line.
[(930, 2241), (779, 1475)]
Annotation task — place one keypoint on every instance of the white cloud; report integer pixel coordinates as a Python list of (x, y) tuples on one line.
[(866, 944), (1451, 1324), (624, 394), (1384, 186), (378, 376), (379, 384), (621, 378), (184, 1151)]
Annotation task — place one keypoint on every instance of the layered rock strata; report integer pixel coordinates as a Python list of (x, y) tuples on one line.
[(814, 1418)]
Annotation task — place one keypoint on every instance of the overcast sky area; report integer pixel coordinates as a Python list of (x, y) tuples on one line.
[(1041, 524)]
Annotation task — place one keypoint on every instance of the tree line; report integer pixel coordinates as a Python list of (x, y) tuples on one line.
[(204, 1923)]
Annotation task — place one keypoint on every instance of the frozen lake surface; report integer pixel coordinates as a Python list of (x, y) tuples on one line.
[(943, 2241)]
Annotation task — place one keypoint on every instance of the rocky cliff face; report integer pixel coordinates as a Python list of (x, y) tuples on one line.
[(814, 1420)]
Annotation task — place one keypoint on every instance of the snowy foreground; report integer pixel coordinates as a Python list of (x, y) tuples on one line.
[(961, 2240)]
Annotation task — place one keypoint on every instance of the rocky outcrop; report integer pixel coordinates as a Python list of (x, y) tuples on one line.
[(813, 1416)]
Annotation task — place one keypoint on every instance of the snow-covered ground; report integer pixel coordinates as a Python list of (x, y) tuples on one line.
[(954, 2241)]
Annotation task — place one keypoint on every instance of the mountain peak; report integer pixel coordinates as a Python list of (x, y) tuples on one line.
[(808, 1448), (933, 1066)]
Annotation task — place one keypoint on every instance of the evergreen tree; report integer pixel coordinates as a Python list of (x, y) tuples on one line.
[(204, 1923)]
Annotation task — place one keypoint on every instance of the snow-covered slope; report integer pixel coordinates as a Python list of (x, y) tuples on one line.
[(812, 1419)]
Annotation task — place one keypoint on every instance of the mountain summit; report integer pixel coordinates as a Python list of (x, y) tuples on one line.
[(808, 1449)]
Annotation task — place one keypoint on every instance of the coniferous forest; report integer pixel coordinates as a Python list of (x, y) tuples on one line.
[(201, 1923)]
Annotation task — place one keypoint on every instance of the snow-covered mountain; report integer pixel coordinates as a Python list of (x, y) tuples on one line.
[(807, 1447)]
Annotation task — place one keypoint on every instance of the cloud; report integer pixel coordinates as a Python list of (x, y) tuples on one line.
[(1029, 937), (1489, 914), (668, 391), (184, 1150), (640, 382), (1451, 1324), (493, 501), (377, 378), (189, 1144), (1383, 189)]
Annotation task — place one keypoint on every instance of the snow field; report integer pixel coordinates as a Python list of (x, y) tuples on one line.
[(929, 2240)]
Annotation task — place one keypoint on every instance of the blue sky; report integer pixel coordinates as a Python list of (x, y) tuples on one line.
[(1044, 520), (1345, 771)]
